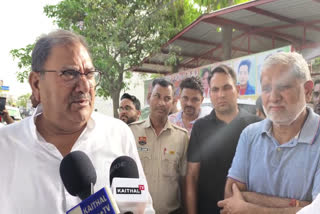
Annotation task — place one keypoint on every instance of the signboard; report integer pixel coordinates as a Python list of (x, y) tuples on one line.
[(4, 88)]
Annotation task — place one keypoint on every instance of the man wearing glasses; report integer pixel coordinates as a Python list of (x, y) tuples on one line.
[(63, 82), (129, 110)]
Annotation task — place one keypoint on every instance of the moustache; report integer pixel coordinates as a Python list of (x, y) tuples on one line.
[(160, 108), (80, 97), (189, 107), (123, 116)]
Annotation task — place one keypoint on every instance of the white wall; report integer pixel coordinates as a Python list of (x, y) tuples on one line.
[(136, 88)]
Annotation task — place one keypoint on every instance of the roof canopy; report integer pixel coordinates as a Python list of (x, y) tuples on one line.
[(257, 26)]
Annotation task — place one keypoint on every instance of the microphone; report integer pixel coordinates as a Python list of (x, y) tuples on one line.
[(123, 167), (79, 176), (130, 191)]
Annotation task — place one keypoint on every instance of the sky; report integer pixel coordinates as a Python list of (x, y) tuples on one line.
[(21, 23)]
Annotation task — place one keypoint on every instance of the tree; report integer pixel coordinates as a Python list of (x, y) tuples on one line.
[(23, 55), (212, 5), (23, 100), (120, 33)]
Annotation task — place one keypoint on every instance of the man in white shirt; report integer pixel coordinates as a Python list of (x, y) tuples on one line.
[(63, 81)]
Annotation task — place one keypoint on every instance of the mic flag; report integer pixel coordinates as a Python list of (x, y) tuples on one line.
[(102, 202), (129, 191), (130, 194)]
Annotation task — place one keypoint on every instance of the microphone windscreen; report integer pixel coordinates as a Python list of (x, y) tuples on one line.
[(123, 167), (78, 173)]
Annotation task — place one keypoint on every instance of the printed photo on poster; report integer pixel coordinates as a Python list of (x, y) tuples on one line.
[(247, 69), (204, 74), (246, 76)]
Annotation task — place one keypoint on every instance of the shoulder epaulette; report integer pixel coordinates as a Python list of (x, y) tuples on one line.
[(137, 122), (179, 127)]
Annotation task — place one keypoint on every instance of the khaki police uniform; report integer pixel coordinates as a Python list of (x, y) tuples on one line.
[(164, 162)]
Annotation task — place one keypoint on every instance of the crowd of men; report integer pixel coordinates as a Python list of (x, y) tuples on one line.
[(196, 160)]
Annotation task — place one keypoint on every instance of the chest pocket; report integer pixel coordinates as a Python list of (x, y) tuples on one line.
[(170, 165), (145, 158)]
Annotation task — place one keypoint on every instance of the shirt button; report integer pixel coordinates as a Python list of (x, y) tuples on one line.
[(278, 149)]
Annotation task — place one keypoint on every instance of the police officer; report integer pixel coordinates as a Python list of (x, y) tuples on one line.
[(162, 149)]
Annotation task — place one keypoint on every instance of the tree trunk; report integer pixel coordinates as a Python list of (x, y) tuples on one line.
[(115, 102), (115, 94)]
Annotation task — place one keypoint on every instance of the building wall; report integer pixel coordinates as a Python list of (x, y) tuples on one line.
[(136, 88)]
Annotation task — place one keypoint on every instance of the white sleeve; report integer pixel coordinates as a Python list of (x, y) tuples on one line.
[(314, 207)]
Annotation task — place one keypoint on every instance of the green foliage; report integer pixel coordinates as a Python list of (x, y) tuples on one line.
[(120, 33), (23, 100), (212, 5), (11, 101), (23, 55), (317, 61), (180, 14), (316, 65)]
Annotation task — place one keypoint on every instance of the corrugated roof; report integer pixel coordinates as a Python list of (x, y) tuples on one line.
[(258, 26)]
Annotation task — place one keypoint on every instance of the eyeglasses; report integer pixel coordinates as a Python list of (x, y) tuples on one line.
[(70, 76), (126, 108)]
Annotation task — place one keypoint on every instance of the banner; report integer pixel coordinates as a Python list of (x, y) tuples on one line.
[(247, 69)]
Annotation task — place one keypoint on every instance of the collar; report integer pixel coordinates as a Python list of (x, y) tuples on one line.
[(39, 109), (148, 124), (307, 134), (241, 113), (179, 115), (201, 114)]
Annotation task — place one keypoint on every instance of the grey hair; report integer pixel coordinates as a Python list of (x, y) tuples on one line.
[(45, 43), (294, 60)]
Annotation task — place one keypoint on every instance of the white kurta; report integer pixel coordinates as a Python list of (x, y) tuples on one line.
[(30, 182)]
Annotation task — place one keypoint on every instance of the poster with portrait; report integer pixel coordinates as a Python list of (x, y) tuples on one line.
[(246, 75), (178, 77), (174, 78), (204, 73), (247, 69)]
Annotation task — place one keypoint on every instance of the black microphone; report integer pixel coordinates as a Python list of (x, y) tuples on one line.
[(78, 174), (123, 167), (130, 191)]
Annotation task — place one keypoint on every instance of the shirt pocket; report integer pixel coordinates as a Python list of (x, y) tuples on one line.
[(145, 158), (170, 165)]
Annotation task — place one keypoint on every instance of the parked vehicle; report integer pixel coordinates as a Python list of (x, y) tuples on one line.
[(14, 112)]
